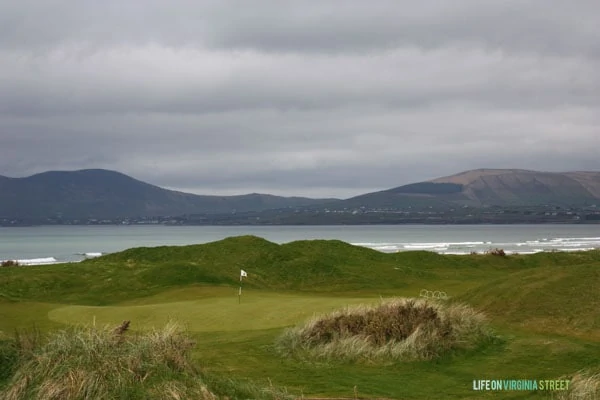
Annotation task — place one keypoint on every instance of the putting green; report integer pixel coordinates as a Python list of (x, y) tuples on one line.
[(256, 311)]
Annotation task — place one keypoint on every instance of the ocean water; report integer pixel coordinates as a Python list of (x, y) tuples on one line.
[(50, 244)]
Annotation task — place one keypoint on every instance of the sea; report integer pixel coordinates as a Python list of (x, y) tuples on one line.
[(53, 244)]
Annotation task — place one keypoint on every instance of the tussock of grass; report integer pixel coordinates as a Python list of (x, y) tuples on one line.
[(584, 385), (102, 363), (496, 252), (400, 329), (9, 263)]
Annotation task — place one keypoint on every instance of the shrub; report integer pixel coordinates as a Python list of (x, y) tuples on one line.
[(496, 252), (399, 329)]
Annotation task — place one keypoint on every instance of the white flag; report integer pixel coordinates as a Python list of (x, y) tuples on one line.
[(243, 273)]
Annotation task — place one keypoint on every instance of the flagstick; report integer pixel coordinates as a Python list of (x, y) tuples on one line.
[(242, 274)]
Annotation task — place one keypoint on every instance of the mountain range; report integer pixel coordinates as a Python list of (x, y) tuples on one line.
[(97, 193)]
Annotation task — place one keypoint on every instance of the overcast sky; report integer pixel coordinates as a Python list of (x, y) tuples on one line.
[(314, 98)]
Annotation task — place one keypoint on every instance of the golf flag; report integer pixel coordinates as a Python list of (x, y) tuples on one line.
[(242, 274)]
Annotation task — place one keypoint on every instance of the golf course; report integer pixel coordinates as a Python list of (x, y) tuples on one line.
[(541, 313)]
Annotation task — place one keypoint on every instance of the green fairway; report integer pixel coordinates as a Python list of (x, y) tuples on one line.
[(256, 311), (543, 308)]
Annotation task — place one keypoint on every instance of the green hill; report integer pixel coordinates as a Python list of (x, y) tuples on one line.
[(319, 265)]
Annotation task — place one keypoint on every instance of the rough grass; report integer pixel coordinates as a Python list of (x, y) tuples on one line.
[(584, 385), (86, 362), (402, 329)]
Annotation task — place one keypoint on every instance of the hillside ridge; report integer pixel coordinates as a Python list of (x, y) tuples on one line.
[(489, 187), (100, 193)]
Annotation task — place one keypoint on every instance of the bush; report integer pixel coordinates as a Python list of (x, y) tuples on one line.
[(496, 252), (400, 329)]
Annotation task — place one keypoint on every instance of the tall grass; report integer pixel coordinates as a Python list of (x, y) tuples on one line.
[(89, 362), (584, 385), (12, 351), (85, 362), (396, 330)]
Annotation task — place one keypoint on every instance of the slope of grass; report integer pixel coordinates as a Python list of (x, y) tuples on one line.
[(561, 299)]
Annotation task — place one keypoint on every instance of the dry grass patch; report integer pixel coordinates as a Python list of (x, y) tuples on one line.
[(86, 362), (496, 252), (400, 329), (584, 385)]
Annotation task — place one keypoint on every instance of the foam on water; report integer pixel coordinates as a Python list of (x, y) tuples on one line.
[(89, 255), (577, 249), (595, 239), (37, 261), (467, 247), (51, 260), (385, 248)]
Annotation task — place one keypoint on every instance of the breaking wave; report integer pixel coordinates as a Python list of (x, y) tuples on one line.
[(36, 261), (90, 255), (467, 247), (53, 260)]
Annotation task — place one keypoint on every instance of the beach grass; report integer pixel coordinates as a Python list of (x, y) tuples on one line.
[(543, 308), (102, 362), (398, 329)]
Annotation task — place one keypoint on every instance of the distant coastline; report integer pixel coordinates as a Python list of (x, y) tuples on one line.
[(494, 216), (77, 242)]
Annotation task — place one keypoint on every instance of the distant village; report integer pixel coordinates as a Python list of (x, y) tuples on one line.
[(347, 216)]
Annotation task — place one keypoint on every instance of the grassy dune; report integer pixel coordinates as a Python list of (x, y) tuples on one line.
[(544, 307)]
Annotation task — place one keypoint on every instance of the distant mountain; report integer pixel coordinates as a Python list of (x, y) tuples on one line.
[(487, 187), (524, 187), (97, 193)]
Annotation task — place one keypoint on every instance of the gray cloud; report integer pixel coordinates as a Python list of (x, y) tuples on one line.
[(328, 99)]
